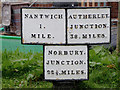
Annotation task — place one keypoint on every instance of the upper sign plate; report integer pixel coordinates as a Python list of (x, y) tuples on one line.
[(48, 26), (43, 26), (88, 25)]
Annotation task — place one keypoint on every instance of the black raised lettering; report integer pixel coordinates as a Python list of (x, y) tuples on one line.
[(50, 52), (46, 16), (33, 35), (26, 15), (57, 62), (62, 62), (48, 71), (35, 15), (75, 16), (49, 36), (63, 72), (70, 17), (81, 62), (77, 71), (47, 62), (84, 36), (104, 25)]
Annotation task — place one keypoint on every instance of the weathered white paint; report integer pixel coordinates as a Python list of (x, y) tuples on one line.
[(57, 68), (54, 27), (92, 31)]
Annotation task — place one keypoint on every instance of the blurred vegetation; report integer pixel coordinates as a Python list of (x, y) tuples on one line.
[(25, 70), (104, 69)]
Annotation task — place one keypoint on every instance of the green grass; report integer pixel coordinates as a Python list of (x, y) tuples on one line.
[(21, 70), (104, 69), (25, 70)]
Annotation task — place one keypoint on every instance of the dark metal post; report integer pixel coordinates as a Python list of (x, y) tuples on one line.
[(63, 85)]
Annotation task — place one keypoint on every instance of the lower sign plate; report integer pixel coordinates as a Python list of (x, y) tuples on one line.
[(66, 62)]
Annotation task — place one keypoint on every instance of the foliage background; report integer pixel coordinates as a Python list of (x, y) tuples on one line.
[(25, 70)]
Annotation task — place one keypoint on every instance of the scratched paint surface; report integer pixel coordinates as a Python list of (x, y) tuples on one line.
[(65, 62), (88, 26), (43, 26)]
